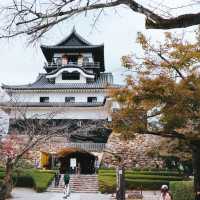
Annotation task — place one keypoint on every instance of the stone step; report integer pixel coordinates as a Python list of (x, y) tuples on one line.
[(78, 183)]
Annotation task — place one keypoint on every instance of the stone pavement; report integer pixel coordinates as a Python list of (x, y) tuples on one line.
[(29, 194)]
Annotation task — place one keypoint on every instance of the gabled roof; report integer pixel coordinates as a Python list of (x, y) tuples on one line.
[(74, 39)]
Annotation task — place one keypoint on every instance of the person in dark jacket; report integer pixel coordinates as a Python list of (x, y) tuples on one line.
[(66, 181), (57, 179)]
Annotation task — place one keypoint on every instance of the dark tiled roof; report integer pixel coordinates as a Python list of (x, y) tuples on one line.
[(42, 83), (74, 39), (71, 47), (39, 104)]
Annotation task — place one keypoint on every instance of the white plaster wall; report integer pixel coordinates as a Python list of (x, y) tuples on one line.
[(81, 80), (57, 97), (65, 113)]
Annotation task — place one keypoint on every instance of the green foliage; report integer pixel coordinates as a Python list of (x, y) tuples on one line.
[(107, 184), (23, 181), (24, 164), (182, 190), (38, 179), (147, 180), (42, 180), (145, 184), (150, 172)]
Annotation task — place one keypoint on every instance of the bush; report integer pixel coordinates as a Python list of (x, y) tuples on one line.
[(23, 181), (145, 184), (42, 180), (38, 179), (107, 184), (146, 180), (162, 173), (182, 190)]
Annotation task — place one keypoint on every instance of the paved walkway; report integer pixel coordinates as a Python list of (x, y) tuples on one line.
[(28, 194)]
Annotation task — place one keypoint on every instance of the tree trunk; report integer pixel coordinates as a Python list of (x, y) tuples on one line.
[(6, 188), (196, 167)]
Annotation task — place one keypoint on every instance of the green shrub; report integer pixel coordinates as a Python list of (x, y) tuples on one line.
[(145, 180), (23, 181), (107, 184), (39, 179), (182, 190), (2, 169), (42, 180), (145, 184), (162, 173)]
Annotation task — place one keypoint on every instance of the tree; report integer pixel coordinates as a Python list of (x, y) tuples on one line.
[(35, 18), (27, 133), (163, 96)]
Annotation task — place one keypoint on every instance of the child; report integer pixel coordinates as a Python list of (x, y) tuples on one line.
[(165, 194)]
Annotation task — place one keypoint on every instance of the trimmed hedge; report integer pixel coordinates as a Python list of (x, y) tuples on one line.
[(108, 185), (37, 179), (182, 190), (161, 173), (145, 180), (42, 180), (145, 184), (141, 176)]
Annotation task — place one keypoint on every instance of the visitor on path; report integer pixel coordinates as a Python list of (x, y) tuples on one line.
[(57, 179), (165, 194), (66, 181), (96, 164)]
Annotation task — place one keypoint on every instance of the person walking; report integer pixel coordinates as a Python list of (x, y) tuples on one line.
[(66, 181), (57, 179), (165, 194), (96, 165)]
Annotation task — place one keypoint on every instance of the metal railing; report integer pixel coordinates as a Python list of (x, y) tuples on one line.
[(83, 64), (90, 147)]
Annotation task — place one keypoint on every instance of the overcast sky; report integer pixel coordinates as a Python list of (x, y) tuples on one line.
[(20, 64)]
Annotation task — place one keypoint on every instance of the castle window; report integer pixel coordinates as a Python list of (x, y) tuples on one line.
[(69, 99), (85, 60), (44, 99), (92, 99), (70, 76)]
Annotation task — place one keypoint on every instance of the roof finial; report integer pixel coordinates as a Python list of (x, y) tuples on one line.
[(74, 29)]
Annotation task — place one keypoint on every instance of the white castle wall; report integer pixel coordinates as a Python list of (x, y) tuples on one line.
[(94, 113), (57, 97)]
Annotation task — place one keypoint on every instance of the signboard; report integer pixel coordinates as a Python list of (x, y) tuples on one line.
[(73, 162)]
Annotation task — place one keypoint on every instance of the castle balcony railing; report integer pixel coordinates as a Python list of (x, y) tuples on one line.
[(90, 147), (87, 65)]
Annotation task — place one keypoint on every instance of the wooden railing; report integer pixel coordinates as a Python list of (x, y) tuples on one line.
[(83, 64), (90, 147)]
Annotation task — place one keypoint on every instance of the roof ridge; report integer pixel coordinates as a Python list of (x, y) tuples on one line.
[(77, 35)]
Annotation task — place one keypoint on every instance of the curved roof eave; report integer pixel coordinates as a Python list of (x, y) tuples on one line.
[(65, 67), (60, 70)]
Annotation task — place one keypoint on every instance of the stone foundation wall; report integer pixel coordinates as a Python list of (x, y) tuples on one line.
[(134, 153)]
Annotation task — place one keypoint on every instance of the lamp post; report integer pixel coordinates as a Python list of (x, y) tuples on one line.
[(120, 195)]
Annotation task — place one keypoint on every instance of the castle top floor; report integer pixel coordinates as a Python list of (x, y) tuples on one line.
[(74, 51)]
